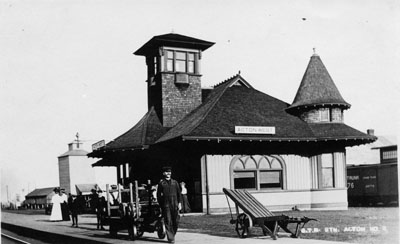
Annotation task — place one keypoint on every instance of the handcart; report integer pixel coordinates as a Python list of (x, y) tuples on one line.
[(256, 214), (133, 209)]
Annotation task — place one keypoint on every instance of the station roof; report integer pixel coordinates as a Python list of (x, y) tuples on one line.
[(233, 103), (140, 136)]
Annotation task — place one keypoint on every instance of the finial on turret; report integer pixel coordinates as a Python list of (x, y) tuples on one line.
[(315, 51), (77, 139)]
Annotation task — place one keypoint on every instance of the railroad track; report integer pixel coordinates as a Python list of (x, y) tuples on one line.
[(13, 239)]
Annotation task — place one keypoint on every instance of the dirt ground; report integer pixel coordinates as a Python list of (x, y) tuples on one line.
[(356, 225)]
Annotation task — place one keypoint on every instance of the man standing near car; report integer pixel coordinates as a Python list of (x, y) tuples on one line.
[(169, 198)]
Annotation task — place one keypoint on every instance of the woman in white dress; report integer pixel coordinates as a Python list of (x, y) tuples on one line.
[(56, 209)]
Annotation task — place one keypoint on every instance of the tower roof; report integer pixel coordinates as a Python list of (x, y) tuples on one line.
[(172, 40), (317, 87)]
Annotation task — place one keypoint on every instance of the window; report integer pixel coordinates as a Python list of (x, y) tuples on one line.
[(155, 61), (180, 61), (257, 172), (327, 172), (324, 115), (336, 115), (170, 60), (190, 62), (271, 179), (245, 180)]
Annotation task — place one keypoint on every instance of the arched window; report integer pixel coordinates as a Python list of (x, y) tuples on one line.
[(267, 172)]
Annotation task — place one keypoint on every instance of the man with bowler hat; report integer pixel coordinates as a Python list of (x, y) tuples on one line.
[(169, 198)]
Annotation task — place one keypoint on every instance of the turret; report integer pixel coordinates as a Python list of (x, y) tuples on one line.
[(318, 100)]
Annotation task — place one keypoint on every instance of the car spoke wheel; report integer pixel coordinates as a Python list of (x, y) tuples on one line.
[(242, 225), (134, 232), (161, 230)]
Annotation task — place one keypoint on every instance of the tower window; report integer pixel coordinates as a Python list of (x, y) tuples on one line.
[(170, 60), (324, 115), (155, 65), (180, 61), (191, 62)]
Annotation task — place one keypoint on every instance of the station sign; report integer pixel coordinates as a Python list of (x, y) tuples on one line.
[(98, 145), (255, 130)]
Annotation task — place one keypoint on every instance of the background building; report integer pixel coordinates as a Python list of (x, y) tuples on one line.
[(76, 172), (39, 198)]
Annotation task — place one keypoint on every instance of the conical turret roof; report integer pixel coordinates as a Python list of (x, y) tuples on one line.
[(317, 87)]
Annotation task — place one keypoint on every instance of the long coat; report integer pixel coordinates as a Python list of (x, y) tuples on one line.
[(169, 194)]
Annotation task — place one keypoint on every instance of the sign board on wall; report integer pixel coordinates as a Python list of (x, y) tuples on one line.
[(98, 145), (255, 130)]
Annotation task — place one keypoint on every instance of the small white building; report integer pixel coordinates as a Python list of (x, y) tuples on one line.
[(75, 169)]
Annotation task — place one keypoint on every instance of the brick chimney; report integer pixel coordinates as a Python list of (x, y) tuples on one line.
[(371, 132)]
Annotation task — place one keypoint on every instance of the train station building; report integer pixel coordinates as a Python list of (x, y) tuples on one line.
[(234, 136)]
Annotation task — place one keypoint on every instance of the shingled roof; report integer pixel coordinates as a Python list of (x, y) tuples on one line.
[(337, 131), (317, 87), (232, 103), (143, 134), (40, 192)]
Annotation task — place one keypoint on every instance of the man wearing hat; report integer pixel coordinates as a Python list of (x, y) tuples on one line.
[(169, 198)]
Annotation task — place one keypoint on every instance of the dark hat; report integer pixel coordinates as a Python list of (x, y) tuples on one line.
[(167, 169)]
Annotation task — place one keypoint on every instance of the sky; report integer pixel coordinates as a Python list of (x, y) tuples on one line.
[(68, 66)]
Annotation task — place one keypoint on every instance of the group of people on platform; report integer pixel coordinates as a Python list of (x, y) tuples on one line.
[(63, 206), (171, 196)]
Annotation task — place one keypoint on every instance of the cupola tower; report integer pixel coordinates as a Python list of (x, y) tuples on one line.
[(173, 75), (318, 100)]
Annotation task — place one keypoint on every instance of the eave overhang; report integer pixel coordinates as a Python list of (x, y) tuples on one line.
[(101, 152), (264, 139)]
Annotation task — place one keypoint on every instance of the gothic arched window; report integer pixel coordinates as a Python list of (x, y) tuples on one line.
[(258, 173)]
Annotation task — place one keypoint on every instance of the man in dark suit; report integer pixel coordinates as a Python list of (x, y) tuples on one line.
[(169, 198)]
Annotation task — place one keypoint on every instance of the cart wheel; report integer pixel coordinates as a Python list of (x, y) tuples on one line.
[(113, 231), (161, 230), (242, 225), (133, 233), (139, 232)]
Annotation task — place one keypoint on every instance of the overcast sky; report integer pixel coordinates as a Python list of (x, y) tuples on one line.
[(68, 67)]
